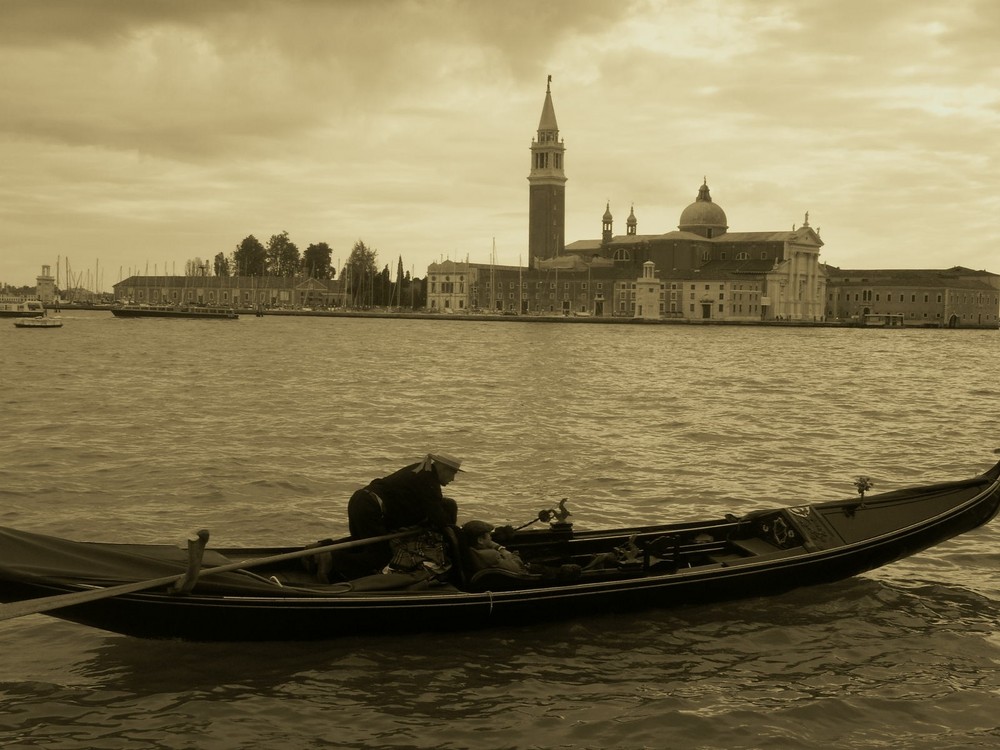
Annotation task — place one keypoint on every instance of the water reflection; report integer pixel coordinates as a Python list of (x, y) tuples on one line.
[(796, 634)]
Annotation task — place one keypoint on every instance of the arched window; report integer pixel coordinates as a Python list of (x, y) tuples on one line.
[(622, 254)]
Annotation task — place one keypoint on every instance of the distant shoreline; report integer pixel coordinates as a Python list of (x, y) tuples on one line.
[(592, 320)]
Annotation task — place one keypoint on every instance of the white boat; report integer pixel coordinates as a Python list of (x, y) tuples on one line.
[(40, 321), (18, 307), (883, 320)]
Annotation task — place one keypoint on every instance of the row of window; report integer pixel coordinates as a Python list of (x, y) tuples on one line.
[(736, 287), (448, 286), (542, 160), (742, 255), (625, 254), (189, 295), (868, 295), (474, 289)]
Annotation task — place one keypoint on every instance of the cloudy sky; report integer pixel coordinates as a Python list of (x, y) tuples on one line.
[(139, 135)]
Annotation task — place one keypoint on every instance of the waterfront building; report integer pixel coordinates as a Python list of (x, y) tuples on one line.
[(246, 292), (957, 297), (482, 287)]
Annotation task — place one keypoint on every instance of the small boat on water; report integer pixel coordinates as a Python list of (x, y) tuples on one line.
[(174, 311), (883, 320), (161, 591), (18, 307), (39, 321)]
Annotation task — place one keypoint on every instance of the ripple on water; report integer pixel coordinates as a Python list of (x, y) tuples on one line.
[(260, 431)]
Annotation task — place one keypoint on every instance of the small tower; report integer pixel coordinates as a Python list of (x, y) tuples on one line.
[(547, 188), (631, 222), (607, 224), (45, 286), (648, 295)]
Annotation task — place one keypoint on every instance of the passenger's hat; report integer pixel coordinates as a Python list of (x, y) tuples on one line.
[(475, 529), (447, 460)]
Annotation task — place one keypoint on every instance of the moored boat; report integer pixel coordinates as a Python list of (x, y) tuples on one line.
[(174, 311), (883, 320), (18, 307), (243, 594)]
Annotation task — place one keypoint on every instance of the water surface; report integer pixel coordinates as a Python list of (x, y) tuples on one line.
[(259, 429)]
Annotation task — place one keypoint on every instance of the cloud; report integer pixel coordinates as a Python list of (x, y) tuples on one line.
[(177, 128)]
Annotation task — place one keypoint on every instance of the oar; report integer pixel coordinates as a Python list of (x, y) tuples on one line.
[(48, 603)]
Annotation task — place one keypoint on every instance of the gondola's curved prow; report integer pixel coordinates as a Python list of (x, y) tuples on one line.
[(863, 534)]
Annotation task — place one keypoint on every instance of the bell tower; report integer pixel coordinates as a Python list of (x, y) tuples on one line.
[(547, 188)]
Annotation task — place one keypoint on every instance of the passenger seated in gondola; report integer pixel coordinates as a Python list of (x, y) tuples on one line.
[(485, 553)]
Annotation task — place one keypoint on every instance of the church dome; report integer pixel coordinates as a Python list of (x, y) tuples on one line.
[(703, 216)]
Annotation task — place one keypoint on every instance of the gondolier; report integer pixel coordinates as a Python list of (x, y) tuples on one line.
[(409, 497)]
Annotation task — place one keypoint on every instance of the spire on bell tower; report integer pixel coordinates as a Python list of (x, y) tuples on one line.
[(607, 224), (547, 187)]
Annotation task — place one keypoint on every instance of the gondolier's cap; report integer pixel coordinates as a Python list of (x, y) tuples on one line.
[(475, 529), (448, 460)]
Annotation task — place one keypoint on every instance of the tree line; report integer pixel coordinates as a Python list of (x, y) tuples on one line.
[(281, 257)]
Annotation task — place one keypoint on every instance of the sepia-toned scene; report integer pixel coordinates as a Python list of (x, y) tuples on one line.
[(499, 375)]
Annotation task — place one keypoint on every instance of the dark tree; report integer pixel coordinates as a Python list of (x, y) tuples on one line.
[(249, 259), (316, 261), (221, 265), (282, 256), (359, 274), (382, 288)]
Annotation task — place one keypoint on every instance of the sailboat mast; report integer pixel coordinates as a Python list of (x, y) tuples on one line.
[(520, 293)]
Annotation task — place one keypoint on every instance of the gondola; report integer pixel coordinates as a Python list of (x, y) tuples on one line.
[(162, 591)]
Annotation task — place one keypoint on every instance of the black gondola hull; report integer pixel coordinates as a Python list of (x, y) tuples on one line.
[(828, 542)]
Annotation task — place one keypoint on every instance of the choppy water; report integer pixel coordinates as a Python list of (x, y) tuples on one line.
[(143, 430)]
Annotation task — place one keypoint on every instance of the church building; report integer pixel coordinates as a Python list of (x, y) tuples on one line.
[(700, 270)]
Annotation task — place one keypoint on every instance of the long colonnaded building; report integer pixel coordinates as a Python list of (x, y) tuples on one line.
[(246, 292)]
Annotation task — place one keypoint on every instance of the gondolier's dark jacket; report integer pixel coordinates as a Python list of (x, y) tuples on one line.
[(410, 497)]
